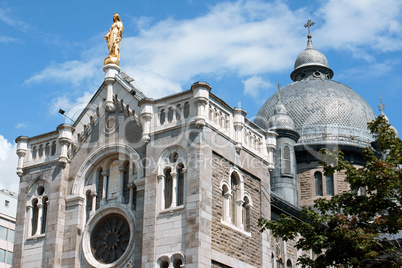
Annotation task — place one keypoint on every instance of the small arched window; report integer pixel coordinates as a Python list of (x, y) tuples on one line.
[(168, 188), (234, 185), (170, 114), (34, 152), (286, 160), (164, 264), (47, 149), (330, 184), (180, 184), (289, 263), (318, 183), (53, 151), (186, 112), (246, 214), (162, 117), (178, 112), (40, 151)]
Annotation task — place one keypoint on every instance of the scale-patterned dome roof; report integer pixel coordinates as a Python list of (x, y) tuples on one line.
[(322, 110), (310, 56)]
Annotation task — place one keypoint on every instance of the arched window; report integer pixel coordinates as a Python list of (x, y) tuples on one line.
[(172, 177), (177, 263), (37, 210), (234, 187), (53, 151), (286, 160), (186, 112), (318, 183), (246, 214), (168, 188), (170, 114), (88, 204), (162, 117), (330, 184), (289, 263), (47, 149), (40, 151), (164, 264), (180, 184), (34, 152), (178, 111)]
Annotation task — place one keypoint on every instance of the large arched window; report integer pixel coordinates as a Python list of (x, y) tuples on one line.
[(171, 178), (236, 203), (37, 210), (318, 183)]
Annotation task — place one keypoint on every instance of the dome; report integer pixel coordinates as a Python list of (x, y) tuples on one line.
[(322, 110), (311, 56), (280, 119)]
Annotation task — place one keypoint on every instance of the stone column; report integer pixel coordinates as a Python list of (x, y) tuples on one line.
[(40, 217), (122, 169), (175, 183), (161, 182), (111, 70), (93, 208), (226, 205), (29, 213), (239, 214), (104, 173), (130, 200)]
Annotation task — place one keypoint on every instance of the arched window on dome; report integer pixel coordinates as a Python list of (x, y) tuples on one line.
[(286, 160), (330, 184), (318, 183)]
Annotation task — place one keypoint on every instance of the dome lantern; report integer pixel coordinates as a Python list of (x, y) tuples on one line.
[(311, 63)]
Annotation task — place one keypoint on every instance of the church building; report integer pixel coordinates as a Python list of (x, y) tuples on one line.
[(182, 180)]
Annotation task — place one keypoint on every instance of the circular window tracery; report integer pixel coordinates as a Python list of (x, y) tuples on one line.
[(110, 238)]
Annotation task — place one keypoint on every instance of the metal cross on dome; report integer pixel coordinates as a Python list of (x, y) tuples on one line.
[(279, 91), (308, 25)]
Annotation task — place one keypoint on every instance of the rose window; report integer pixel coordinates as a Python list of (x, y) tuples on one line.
[(110, 238)]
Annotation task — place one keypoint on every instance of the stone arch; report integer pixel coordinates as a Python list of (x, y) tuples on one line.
[(86, 167)]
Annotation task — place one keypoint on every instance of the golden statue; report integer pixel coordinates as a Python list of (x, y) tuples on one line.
[(113, 39)]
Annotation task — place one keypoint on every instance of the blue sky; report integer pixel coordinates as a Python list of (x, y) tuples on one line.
[(53, 52)]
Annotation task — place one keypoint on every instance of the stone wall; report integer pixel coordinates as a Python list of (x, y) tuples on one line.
[(224, 238)]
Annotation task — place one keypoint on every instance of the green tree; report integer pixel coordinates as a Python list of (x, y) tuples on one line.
[(348, 229)]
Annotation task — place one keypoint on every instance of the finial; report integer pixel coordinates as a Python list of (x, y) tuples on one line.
[(381, 106), (279, 92), (308, 25)]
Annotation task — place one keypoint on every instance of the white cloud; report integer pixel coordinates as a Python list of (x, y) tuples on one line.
[(7, 39), (242, 38), (355, 25), (72, 72), (8, 166), (21, 125), (253, 86)]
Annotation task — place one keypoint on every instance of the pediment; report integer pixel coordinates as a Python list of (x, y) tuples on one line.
[(95, 122)]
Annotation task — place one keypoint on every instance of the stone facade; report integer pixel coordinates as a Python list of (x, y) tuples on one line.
[(179, 181)]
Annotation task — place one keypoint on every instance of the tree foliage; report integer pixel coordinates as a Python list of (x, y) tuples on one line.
[(348, 229)]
